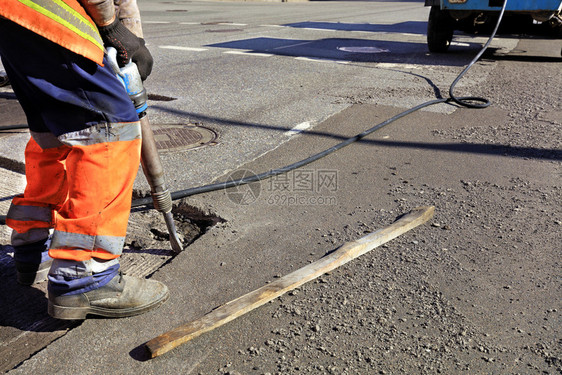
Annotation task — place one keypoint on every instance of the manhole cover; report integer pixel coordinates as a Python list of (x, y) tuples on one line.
[(358, 49), (182, 137)]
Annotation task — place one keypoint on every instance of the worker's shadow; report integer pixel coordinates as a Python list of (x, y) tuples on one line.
[(24, 307)]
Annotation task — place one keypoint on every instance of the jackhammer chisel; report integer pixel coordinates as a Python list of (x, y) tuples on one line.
[(151, 164)]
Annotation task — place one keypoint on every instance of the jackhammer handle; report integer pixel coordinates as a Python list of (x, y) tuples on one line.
[(154, 173), (150, 160)]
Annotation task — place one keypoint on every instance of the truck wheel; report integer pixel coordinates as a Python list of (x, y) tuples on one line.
[(440, 28)]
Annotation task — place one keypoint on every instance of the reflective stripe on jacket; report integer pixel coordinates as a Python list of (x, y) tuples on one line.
[(64, 22)]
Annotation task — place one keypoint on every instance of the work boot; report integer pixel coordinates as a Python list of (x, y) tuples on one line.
[(121, 297)]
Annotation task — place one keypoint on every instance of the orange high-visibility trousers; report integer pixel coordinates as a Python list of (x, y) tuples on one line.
[(82, 188)]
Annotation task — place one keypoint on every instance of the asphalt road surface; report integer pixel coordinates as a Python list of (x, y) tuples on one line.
[(476, 290)]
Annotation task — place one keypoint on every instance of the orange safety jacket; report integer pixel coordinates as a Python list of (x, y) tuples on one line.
[(64, 22)]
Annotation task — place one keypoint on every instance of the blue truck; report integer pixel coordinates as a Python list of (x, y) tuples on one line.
[(473, 16)]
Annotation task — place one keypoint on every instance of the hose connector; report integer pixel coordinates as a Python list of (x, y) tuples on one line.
[(162, 201)]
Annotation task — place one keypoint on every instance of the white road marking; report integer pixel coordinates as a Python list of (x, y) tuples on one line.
[(322, 60), (232, 24), (298, 128), (460, 44), (192, 49), (190, 23), (248, 53)]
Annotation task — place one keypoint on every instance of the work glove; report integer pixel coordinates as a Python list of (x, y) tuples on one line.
[(128, 46), (143, 59)]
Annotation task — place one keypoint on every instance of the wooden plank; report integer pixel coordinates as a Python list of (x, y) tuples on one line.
[(235, 308)]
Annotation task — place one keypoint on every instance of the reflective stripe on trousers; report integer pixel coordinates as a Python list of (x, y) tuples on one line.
[(82, 189)]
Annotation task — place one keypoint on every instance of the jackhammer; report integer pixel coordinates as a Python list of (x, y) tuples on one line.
[(150, 161)]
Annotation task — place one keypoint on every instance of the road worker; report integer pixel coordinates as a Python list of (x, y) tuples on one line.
[(69, 225)]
